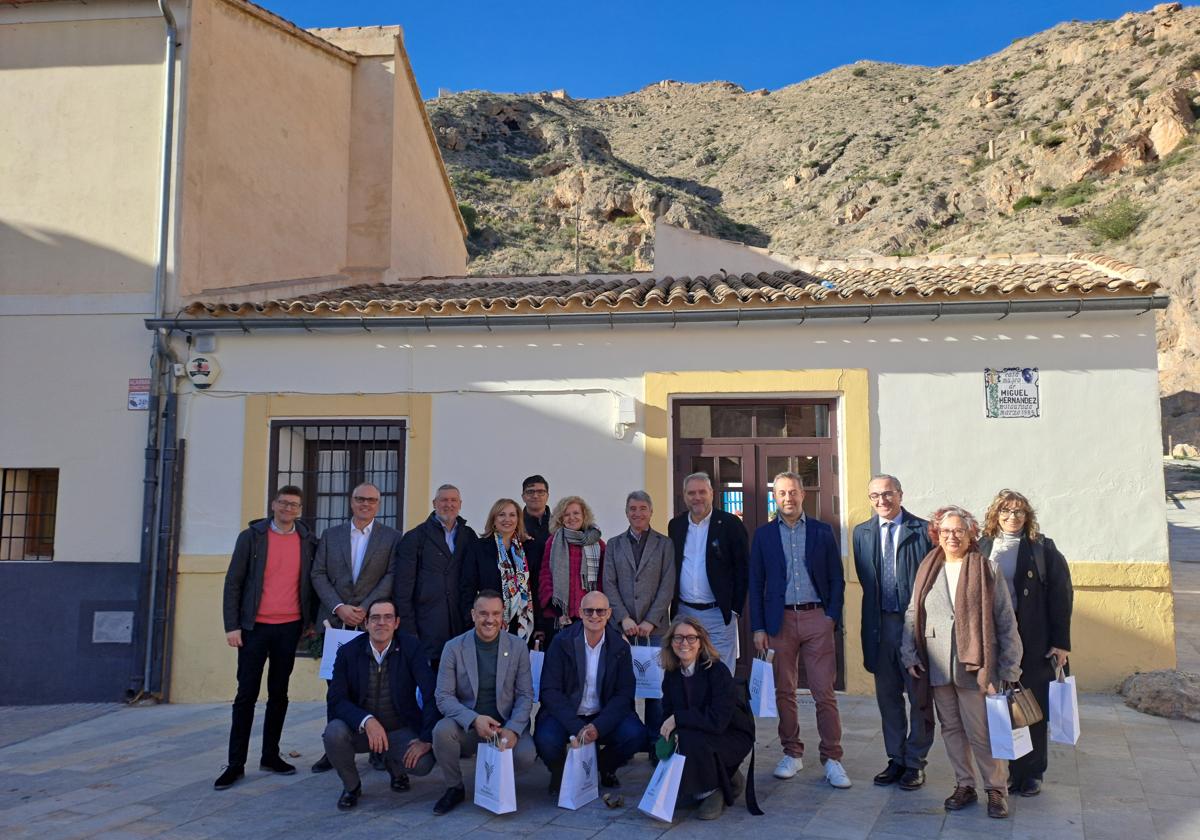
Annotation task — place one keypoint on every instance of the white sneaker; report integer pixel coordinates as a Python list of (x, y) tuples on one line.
[(835, 774), (788, 766)]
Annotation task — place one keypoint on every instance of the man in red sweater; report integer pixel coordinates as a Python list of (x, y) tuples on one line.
[(267, 604)]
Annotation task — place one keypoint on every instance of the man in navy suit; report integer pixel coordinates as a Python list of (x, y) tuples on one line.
[(796, 592), (711, 564), (587, 694), (373, 704), (888, 548)]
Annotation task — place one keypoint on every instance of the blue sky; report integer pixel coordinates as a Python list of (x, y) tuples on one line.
[(609, 48)]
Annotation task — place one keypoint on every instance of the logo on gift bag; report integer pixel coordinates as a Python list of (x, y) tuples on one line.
[(641, 667), (587, 769), (488, 769)]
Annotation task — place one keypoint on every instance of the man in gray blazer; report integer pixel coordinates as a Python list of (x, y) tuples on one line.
[(639, 580), (353, 565), (352, 568), (484, 691)]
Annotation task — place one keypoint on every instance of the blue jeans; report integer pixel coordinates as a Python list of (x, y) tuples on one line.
[(551, 737)]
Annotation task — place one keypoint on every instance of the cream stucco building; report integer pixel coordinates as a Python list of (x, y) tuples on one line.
[(148, 152), (608, 384), (301, 233)]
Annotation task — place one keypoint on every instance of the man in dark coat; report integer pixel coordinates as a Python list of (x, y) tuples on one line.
[(535, 494), (373, 704), (587, 694), (712, 561), (268, 601), (888, 548), (428, 561)]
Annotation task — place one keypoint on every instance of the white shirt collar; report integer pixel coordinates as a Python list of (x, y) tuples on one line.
[(366, 532), (703, 523), (280, 531), (896, 521)]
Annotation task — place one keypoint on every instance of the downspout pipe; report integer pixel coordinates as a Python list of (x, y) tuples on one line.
[(160, 372)]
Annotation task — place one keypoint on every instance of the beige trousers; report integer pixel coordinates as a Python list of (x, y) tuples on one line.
[(963, 714)]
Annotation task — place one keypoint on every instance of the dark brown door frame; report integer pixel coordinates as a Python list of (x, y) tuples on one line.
[(753, 452)]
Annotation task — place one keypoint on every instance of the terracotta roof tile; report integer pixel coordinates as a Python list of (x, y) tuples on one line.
[(880, 280)]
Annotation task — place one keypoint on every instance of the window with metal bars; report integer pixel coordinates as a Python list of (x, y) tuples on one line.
[(27, 510), (328, 459)]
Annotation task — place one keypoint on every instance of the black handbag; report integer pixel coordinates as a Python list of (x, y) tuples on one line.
[(1023, 707)]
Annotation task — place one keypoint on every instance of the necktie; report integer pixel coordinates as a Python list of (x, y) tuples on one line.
[(888, 584)]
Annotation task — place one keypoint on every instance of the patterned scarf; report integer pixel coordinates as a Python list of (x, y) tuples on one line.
[(560, 564), (514, 587)]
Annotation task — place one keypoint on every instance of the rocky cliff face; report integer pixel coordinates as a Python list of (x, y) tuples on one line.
[(1080, 137)]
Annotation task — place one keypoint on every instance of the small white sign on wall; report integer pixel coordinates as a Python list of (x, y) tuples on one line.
[(1011, 392)]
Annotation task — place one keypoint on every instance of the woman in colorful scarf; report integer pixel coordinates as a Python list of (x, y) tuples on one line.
[(497, 561), (960, 640), (573, 564)]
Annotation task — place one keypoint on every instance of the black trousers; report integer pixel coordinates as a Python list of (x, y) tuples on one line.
[(711, 759), (266, 643), (1036, 678)]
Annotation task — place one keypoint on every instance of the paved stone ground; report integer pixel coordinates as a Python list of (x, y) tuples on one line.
[(113, 772)]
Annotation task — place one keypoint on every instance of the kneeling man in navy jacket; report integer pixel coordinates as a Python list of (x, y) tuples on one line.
[(587, 694), (373, 704)]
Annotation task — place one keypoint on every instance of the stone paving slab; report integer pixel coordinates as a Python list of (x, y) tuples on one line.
[(107, 771), (111, 777)]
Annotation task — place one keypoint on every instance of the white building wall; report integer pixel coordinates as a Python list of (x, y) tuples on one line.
[(65, 380), (1090, 463)]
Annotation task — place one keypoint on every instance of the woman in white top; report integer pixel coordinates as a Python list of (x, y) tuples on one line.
[(1039, 582)]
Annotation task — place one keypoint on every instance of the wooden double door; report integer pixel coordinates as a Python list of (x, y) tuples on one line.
[(742, 445)]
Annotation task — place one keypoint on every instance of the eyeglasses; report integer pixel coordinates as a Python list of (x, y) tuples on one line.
[(288, 505), (953, 532), (886, 494), (380, 618), (535, 492), (1012, 513), (366, 500), (595, 612), (685, 640)]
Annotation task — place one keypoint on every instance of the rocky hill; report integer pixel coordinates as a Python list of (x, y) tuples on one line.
[(1082, 137)]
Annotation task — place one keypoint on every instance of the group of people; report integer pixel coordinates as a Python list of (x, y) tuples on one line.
[(950, 613)]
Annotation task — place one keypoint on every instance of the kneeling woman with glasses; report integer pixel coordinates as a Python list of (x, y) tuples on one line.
[(715, 732)]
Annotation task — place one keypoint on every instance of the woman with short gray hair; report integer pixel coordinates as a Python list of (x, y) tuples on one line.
[(960, 641)]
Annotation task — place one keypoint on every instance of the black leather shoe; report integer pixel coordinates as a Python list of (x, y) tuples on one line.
[(275, 764), (229, 778), (913, 778), (400, 783), (1030, 787), (609, 780), (890, 775), (322, 765), (349, 798), (449, 801)]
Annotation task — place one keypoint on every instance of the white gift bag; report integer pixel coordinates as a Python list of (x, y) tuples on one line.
[(1064, 710), (579, 780), (495, 781), (659, 799), (647, 672), (536, 659), (762, 689), (334, 639), (1007, 742)]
